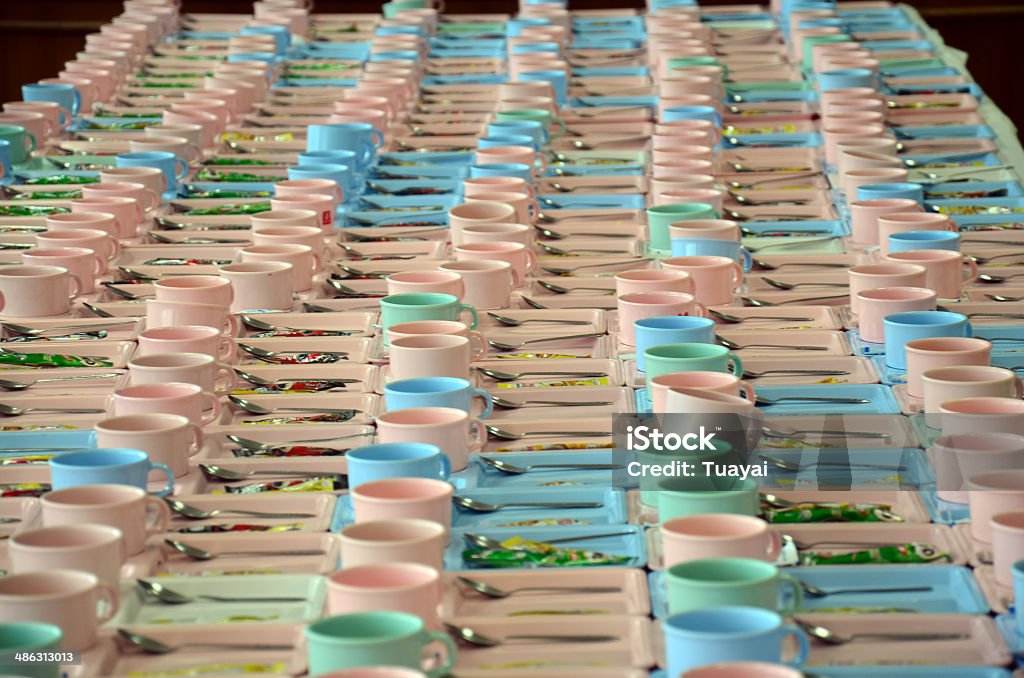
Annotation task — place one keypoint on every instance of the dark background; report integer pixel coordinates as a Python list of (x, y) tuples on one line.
[(37, 37)]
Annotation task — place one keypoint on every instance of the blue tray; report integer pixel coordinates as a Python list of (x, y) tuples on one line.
[(610, 71), (951, 159), (580, 170), (910, 671), (562, 201), (775, 140), (10, 441), (479, 475), (1007, 625), (1012, 188), (866, 348), (890, 376), (631, 545), (944, 512), (378, 218), (834, 228), (613, 511), (882, 400), (397, 172), (946, 132), (426, 158), (600, 101), (480, 79), (918, 471), (406, 202), (389, 185), (955, 589), (1005, 349)]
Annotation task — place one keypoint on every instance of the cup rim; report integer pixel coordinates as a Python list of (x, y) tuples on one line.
[(83, 582)]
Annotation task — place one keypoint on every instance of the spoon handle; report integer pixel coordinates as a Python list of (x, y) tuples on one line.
[(570, 589), (554, 504), (565, 639), (242, 646), (910, 636), (565, 403), (68, 410), (604, 467), (267, 514), (584, 537), (892, 589), (311, 552), (563, 433), (225, 599)]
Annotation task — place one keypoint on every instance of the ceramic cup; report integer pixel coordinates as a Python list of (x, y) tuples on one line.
[(498, 232), (126, 508), (477, 342), (890, 274), (194, 289), (443, 282), (706, 229), (639, 305), (660, 217), (721, 582), (402, 308), (409, 540), (187, 339), (653, 280), (260, 285), (924, 240), (188, 400), (941, 384), (96, 549), (689, 357), (436, 392), (959, 456), (26, 636), (109, 465), (697, 496), (100, 242), (876, 304), (36, 291), (183, 313), (946, 271), (404, 497), (451, 429), (84, 265), (429, 355), (475, 213), (168, 439), (304, 261), (396, 460), (719, 535), (716, 382), (715, 279), (985, 413), (523, 260), (928, 354), (190, 368), (395, 587), (488, 283), (1007, 544), (990, 493), (65, 598), (670, 329), (901, 328), (902, 222)]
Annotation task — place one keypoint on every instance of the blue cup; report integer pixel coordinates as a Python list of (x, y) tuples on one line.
[(896, 190), (107, 466), (514, 27), (729, 634), (924, 240), (5, 162), (1018, 592), (361, 137), (506, 140), (670, 329), (173, 167), (396, 460), (534, 128), (502, 169), (709, 113), (436, 392), (400, 30), (559, 81), (268, 57), (910, 325), (712, 247), (845, 78), (56, 92), (536, 47), (396, 55), (343, 175)]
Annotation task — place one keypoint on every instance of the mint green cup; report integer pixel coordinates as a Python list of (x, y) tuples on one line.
[(403, 308), (691, 496), (723, 453), (539, 114), (722, 582), (374, 639), (392, 10), (22, 142), (659, 218), (666, 358), (29, 637)]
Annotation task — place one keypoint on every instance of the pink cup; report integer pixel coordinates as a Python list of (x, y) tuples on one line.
[(833, 135), (935, 352), (323, 206), (125, 210), (260, 285), (190, 368), (65, 598), (83, 265), (523, 260), (145, 198), (864, 215), (942, 384), (36, 291), (453, 430), (497, 232), (640, 305), (177, 313), (129, 509), (716, 382), (991, 493), (851, 180), (742, 670), (703, 401), (970, 415), (673, 168), (477, 342), (151, 177), (472, 188), (188, 400), (444, 282), (714, 229), (187, 339), (310, 236), (488, 283), (524, 205), (1007, 544), (429, 355), (513, 154), (301, 257), (680, 152), (364, 102), (474, 213), (718, 535), (680, 182), (179, 146), (105, 246), (58, 116), (71, 221), (708, 196), (409, 540), (301, 187), (890, 274), (653, 280), (946, 271), (36, 124), (194, 289), (401, 498), (902, 222), (875, 304), (715, 279), (96, 549), (169, 439), (396, 587), (209, 125)]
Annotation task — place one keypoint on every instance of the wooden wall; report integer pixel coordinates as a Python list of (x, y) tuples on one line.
[(37, 37)]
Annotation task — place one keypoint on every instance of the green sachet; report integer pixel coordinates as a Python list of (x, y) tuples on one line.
[(520, 553), (252, 208), (54, 179), (914, 552)]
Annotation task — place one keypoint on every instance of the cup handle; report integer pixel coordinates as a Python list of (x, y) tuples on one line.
[(796, 599), (108, 594), (99, 266), (214, 414), (226, 375), (449, 653), (77, 105), (748, 259), (542, 159), (445, 471), (48, 129), (702, 310), (478, 345), (737, 364), (531, 261), (195, 153), (169, 485), (748, 391), (163, 516), (472, 312), (154, 200), (972, 270), (198, 438), (737, 277), (562, 127), (65, 118), (488, 401), (228, 350), (378, 139), (478, 436), (804, 645), (30, 142), (76, 287), (179, 175), (163, 184), (3, 301), (231, 326)]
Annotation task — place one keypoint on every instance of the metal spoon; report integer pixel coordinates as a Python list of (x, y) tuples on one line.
[(1000, 297), (502, 346), (786, 465), (397, 235), (172, 597), (484, 507), (791, 347), (940, 179), (255, 445), (253, 408), (22, 385), (765, 266), (550, 249), (783, 176), (744, 200), (559, 289), (546, 218), (12, 411), (563, 271), (981, 261), (259, 324), (486, 542), (260, 381), (39, 331), (748, 374), (562, 188), (815, 592), (555, 235), (509, 435), (761, 303), (196, 513), (533, 303), (512, 376), (220, 473), (154, 646), (790, 286), (803, 399), (199, 554), (794, 433), (721, 315), (790, 243), (512, 405), (996, 279), (513, 469), (516, 322), (494, 592), (471, 637), (119, 291), (831, 638), (274, 356)]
